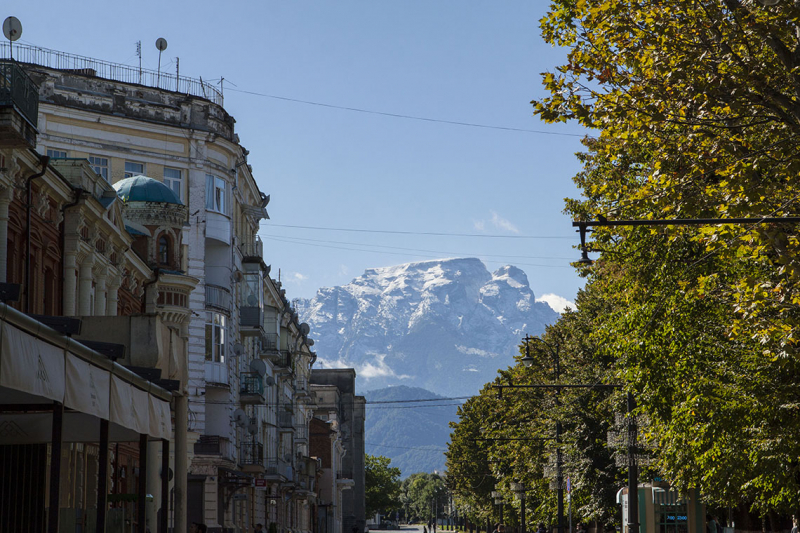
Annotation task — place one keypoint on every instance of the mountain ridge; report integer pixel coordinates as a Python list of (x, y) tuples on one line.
[(446, 325)]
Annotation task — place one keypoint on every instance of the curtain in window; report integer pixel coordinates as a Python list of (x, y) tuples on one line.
[(210, 192)]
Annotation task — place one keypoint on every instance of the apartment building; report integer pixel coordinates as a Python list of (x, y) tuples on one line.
[(163, 150)]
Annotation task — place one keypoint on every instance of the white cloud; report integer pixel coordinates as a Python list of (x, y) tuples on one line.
[(497, 222), (297, 277), (558, 303), (501, 223), (343, 270), (378, 369)]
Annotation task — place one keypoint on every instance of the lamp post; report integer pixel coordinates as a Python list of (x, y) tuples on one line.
[(519, 489), (528, 361)]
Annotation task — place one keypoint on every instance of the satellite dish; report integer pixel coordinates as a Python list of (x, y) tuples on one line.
[(238, 349), (237, 276), (305, 329), (252, 427), (264, 200), (240, 417), (252, 300), (161, 44), (259, 367), (310, 342), (12, 28), (269, 381)]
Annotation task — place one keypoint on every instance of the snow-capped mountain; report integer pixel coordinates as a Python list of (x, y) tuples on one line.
[(444, 325)]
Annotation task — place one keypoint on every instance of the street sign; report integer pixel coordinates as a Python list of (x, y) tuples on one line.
[(261, 484), (569, 485)]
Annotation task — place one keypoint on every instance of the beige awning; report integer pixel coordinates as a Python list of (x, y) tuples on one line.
[(46, 367), (31, 365), (87, 387)]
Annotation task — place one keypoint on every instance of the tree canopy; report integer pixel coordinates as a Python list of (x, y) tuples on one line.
[(382, 485), (695, 112)]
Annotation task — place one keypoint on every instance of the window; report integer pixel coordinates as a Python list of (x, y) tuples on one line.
[(56, 154), (172, 179), (215, 194), (163, 250), (215, 338), (99, 165), (133, 169)]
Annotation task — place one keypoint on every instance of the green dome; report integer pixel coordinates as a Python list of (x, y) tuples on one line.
[(144, 189)]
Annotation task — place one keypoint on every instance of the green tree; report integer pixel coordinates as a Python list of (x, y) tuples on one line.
[(420, 490), (696, 108), (382, 485)]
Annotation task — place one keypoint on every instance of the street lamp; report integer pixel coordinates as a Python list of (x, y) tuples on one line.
[(528, 362), (519, 489)]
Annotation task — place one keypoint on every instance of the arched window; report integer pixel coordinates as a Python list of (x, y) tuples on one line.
[(163, 250)]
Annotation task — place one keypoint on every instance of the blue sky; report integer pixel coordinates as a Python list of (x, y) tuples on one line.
[(472, 61)]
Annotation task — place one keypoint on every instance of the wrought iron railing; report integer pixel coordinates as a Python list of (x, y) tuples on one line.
[(218, 298), (214, 445), (251, 383), (54, 59), (301, 432), (17, 89), (251, 453), (269, 342), (252, 250)]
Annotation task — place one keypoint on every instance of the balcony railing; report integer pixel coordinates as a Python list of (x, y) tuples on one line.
[(218, 298), (285, 420), (251, 453), (216, 374), (17, 89), (252, 251), (112, 71), (251, 317), (251, 384), (277, 467), (301, 433), (269, 343), (214, 445)]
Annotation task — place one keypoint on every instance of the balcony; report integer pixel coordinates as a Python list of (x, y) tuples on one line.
[(301, 389), (285, 421), (217, 375), (214, 445), (252, 252), (251, 321), (283, 362), (270, 347), (279, 470), (19, 106), (301, 434), (251, 390), (218, 299), (251, 457), (343, 482)]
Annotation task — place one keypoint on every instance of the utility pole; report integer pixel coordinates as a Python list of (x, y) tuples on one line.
[(633, 470)]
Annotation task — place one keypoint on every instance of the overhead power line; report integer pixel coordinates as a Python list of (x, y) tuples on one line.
[(423, 448), (407, 117), (434, 233), (422, 400)]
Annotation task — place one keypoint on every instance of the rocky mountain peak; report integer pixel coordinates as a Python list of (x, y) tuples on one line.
[(405, 324)]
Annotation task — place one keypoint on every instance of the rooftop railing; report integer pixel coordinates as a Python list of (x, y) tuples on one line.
[(88, 66)]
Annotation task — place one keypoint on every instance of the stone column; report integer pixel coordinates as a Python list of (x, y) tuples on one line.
[(112, 295), (100, 294), (70, 283), (85, 292), (181, 461), (5, 199), (153, 482)]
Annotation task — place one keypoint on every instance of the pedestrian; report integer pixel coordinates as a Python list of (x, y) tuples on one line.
[(581, 528), (711, 524), (541, 529), (424, 529), (794, 525), (197, 527), (259, 528)]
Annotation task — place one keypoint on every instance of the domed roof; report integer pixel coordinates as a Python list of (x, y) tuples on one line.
[(144, 189)]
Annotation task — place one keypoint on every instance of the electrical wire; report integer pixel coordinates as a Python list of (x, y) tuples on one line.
[(403, 116), (437, 449), (440, 253), (432, 233)]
